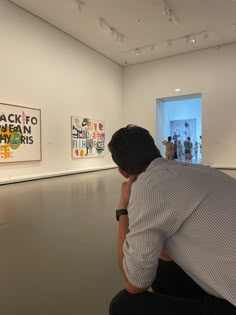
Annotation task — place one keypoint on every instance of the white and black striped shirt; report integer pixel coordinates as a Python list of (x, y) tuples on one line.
[(190, 212)]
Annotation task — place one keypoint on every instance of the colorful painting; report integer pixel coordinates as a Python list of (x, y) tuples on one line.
[(88, 137), (20, 133)]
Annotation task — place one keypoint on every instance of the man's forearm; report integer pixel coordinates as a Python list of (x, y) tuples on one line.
[(123, 230)]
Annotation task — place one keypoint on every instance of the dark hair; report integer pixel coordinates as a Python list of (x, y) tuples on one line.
[(133, 149), (169, 138)]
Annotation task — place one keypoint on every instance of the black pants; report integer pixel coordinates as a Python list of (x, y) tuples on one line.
[(174, 293)]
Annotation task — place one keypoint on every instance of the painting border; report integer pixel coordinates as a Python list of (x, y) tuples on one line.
[(40, 135)]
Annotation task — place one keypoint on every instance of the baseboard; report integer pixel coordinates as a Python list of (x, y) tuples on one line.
[(18, 179)]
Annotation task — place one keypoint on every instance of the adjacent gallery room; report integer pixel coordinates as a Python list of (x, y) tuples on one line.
[(181, 117)]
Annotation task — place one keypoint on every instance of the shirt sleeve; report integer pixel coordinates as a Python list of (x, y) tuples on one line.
[(149, 216)]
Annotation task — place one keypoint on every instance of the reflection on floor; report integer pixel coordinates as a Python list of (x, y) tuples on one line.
[(193, 160), (58, 245)]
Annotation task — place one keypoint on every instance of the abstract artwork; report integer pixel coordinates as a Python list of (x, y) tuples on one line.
[(88, 137), (181, 129), (20, 133)]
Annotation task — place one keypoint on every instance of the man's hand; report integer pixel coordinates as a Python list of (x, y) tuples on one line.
[(125, 192), (164, 256)]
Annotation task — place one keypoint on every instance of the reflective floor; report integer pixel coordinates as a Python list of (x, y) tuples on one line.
[(58, 244)]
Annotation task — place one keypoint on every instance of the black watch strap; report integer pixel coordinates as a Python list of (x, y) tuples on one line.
[(120, 212)]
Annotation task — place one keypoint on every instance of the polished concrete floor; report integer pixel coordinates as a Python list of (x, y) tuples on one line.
[(58, 245)]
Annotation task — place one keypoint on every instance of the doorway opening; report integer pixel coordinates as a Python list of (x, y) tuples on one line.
[(180, 117)]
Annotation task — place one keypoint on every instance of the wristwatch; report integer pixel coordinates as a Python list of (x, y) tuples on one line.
[(120, 212)]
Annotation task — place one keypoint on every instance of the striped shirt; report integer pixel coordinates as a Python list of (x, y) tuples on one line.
[(190, 212)]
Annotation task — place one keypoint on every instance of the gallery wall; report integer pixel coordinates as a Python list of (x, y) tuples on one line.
[(210, 72), (44, 68)]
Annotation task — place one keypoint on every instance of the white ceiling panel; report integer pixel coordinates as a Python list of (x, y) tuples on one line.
[(146, 33)]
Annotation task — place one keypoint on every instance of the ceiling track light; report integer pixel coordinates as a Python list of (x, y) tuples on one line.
[(118, 36), (190, 39), (104, 25), (193, 40), (169, 13), (118, 39), (153, 47), (80, 4)]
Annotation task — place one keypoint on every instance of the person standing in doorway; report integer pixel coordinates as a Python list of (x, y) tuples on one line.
[(196, 150), (169, 149), (188, 149), (179, 151), (200, 145)]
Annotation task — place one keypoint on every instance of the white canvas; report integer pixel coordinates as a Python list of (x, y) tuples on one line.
[(20, 133)]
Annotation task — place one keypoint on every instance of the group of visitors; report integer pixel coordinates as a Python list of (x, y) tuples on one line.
[(176, 150)]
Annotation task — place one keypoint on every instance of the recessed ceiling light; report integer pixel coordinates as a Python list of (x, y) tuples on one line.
[(177, 90)]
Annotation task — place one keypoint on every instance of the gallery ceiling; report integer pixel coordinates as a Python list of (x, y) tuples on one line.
[(135, 31)]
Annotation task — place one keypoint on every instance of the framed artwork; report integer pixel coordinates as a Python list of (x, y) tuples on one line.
[(181, 129), (88, 138), (20, 133)]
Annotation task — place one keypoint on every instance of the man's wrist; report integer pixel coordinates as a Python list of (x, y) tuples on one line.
[(121, 212), (122, 205)]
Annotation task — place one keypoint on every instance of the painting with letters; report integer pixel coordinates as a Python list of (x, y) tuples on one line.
[(88, 137), (20, 133)]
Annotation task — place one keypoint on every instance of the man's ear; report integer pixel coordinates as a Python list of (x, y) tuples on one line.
[(123, 173)]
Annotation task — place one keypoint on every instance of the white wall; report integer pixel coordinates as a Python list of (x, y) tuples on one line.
[(210, 72), (42, 67)]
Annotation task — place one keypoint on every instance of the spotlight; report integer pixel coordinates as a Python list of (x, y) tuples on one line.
[(80, 4), (168, 13), (118, 39), (190, 39), (106, 27)]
